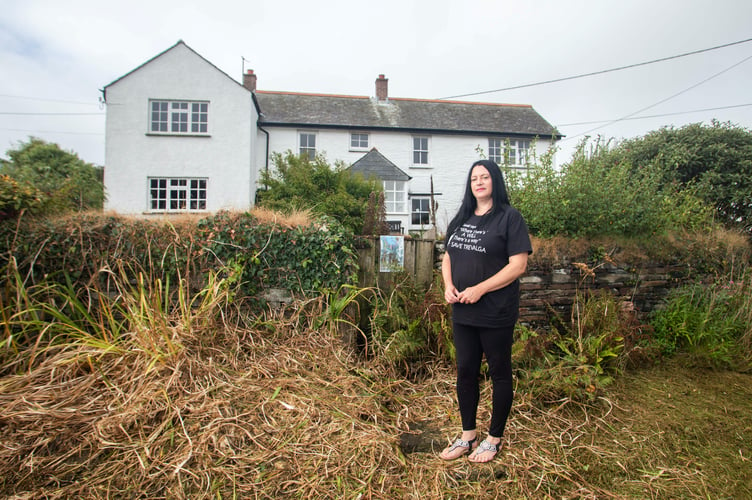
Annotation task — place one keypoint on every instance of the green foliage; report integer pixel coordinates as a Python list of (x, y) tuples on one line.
[(599, 194), (53, 181), (580, 358), (712, 323), (257, 256), (300, 259), (410, 326), (146, 315), (716, 160), (17, 196), (298, 182)]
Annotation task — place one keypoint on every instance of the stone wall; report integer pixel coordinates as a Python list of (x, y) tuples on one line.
[(546, 291)]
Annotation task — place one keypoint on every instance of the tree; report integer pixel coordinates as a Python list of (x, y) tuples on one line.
[(715, 159), (60, 180), (298, 182)]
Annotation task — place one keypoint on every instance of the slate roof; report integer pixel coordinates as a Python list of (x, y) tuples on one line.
[(289, 109), (374, 164)]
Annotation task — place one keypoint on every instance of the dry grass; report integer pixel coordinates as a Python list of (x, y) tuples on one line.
[(719, 245), (294, 218), (269, 408)]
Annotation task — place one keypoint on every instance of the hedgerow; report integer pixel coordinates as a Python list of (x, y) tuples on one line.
[(259, 255)]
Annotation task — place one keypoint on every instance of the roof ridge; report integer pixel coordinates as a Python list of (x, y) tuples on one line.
[(405, 99)]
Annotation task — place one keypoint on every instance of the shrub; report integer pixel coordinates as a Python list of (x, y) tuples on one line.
[(711, 323), (410, 326), (302, 259), (601, 194), (298, 182), (579, 358)]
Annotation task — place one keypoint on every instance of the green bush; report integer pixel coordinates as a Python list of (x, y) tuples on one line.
[(59, 180), (579, 358), (712, 323), (600, 194), (300, 183), (410, 326), (85, 249), (15, 197)]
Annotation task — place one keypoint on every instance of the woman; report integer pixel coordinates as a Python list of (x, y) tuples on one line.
[(487, 247)]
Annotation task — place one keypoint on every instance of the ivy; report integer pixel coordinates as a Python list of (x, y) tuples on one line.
[(87, 248)]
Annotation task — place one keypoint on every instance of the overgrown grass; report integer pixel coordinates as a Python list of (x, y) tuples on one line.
[(139, 396), (196, 400), (712, 323)]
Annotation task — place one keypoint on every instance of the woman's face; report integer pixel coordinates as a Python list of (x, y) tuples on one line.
[(480, 183)]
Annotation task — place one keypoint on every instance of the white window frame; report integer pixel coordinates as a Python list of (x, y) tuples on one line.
[(359, 141), (177, 194), (171, 117), (424, 202), (395, 197), (496, 150), (307, 149), (507, 151), (421, 147)]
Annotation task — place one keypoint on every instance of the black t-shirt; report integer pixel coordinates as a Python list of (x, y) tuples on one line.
[(480, 248)]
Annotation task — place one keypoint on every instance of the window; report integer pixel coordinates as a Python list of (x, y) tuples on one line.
[(308, 145), (358, 141), (420, 215), (199, 117), (513, 152), (496, 151), (179, 117), (177, 194), (394, 196), (420, 150)]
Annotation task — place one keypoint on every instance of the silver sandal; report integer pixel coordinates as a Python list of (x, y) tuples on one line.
[(460, 443)]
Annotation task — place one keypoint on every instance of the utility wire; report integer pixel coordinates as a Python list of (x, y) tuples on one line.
[(661, 101), (47, 114), (584, 75), (656, 116), (49, 131), (48, 100)]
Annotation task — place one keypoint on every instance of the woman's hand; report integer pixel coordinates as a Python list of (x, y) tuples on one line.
[(451, 295), (471, 294)]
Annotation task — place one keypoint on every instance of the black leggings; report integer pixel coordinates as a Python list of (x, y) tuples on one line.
[(471, 343)]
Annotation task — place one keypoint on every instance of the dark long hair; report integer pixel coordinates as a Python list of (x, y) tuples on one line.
[(499, 195)]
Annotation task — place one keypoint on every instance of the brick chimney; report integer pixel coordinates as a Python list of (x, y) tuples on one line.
[(249, 80), (382, 88)]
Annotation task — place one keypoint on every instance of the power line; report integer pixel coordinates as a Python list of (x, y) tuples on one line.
[(48, 100), (49, 131), (47, 114), (661, 101), (656, 116), (584, 75)]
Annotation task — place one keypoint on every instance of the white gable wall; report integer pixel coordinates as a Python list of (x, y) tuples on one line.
[(224, 157), (450, 157)]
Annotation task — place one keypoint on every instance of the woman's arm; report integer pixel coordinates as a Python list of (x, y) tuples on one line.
[(450, 292), (514, 269)]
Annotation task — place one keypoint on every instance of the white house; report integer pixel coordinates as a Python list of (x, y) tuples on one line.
[(180, 136), (177, 122)]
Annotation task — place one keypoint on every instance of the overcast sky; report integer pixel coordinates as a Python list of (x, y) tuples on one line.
[(55, 56)]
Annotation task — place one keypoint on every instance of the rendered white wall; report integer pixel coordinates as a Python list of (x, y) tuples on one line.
[(450, 157), (225, 157)]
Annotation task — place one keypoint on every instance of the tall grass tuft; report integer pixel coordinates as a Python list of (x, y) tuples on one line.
[(712, 323)]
